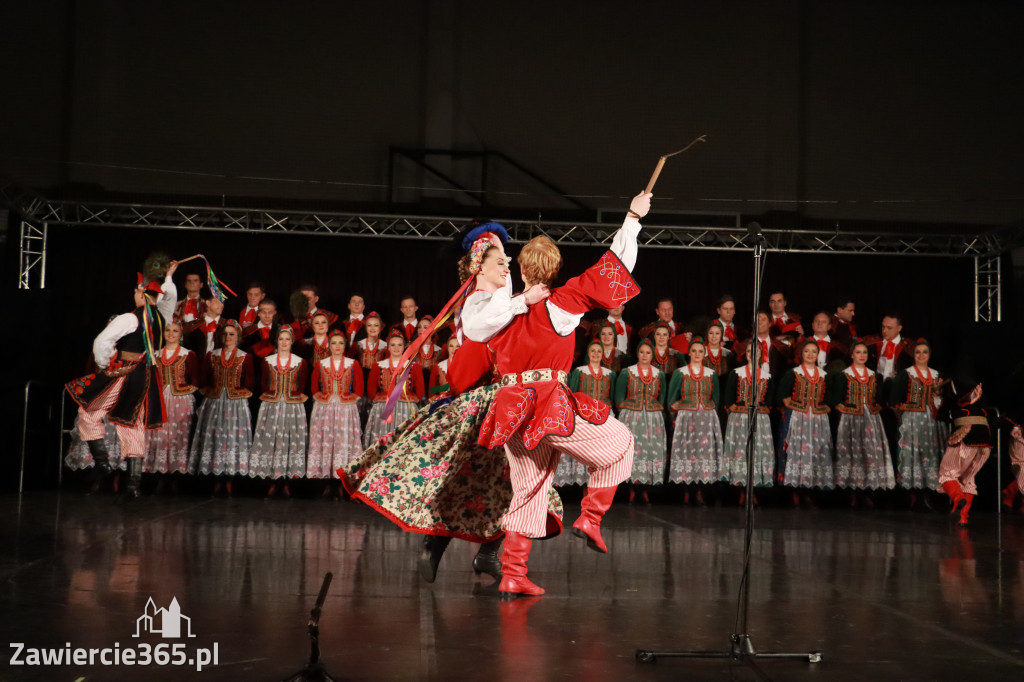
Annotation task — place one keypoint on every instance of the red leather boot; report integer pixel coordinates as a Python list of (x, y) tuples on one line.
[(588, 525), (968, 498), (1010, 494), (514, 582), (956, 496)]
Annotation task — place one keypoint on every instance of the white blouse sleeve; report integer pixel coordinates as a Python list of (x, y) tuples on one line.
[(484, 314), (564, 323), (169, 300), (624, 243), (103, 346)]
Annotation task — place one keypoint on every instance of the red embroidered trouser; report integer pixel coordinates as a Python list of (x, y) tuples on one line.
[(961, 463), (605, 449), (91, 427)]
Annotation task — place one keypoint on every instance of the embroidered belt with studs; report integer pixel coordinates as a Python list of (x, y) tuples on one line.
[(532, 376), (970, 421)]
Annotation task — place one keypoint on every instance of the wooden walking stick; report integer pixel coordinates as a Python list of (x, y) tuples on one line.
[(661, 163)]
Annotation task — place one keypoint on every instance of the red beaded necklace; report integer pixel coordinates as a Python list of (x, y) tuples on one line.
[(163, 356), (926, 382), (757, 373), (336, 372), (283, 369), (761, 385), (812, 378), (230, 359), (660, 358), (695, 377), (646, 374), (858, 377), (320, 349)]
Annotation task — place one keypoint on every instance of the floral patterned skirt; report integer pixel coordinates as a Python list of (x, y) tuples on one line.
[(650, 444), (79, 457), (862, 453), (735, 457), (335, 438), (696, 447), (922, 444), (806, 458), (223, 437), (429, 476), (167, 448)]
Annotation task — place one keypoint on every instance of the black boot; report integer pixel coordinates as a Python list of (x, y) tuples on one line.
[(100, 456), (433, 550), (486, 559), (132, 489), (101, 465)]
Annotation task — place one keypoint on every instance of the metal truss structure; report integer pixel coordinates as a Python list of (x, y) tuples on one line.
[(32, 262), (988, 289), (38, 212)]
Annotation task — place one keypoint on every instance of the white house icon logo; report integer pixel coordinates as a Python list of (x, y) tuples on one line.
[(166, 622)]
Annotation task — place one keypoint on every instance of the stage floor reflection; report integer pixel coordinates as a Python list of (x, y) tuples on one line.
[(885, 595)]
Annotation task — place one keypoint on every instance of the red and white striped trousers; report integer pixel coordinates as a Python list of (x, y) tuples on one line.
[(1017, 461), (91, 427), (961, 463), (605, 449)]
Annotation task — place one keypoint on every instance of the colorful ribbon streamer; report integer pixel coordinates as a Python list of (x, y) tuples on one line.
[(217, 287), (396, 387)]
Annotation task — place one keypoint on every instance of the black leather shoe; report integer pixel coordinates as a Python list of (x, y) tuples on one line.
[(433, 550), (486, 560)]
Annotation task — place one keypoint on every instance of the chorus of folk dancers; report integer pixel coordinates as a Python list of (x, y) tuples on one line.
[(518, 393)]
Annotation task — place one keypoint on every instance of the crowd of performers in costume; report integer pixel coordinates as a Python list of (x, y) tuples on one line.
[(834, 410), (523, 395)]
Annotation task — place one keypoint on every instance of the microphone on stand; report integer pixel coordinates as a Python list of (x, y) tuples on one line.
[(754, 233)]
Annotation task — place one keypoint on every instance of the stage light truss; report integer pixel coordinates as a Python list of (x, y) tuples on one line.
[(38, 212), (141, 216), (32, 264), (988, 299)]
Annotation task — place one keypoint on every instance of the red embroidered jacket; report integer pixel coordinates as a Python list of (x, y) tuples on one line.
[(380, 381), (347, 383), (531, 342)]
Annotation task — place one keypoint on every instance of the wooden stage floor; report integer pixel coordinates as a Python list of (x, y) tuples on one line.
[(885, 595)]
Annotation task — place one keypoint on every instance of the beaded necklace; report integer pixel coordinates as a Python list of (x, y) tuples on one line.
[(695, 377), (231, 358), (807, 374), (283, 369), (858, 377), (163, 356), (659, 358)]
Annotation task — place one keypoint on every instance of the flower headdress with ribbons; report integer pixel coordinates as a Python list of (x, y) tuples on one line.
[(476, 241)]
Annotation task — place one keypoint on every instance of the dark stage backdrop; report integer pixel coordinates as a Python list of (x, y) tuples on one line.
[(841, 110)]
